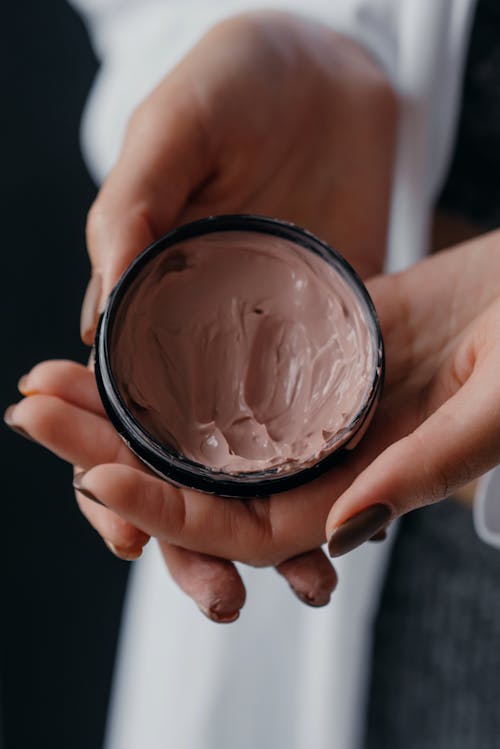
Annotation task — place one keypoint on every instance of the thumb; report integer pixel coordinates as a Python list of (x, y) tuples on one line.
[(163, 160), (457, 443)]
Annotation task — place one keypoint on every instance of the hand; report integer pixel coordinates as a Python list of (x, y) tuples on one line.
[(62, 410), (437, 427), (440, 417), (269, 114)]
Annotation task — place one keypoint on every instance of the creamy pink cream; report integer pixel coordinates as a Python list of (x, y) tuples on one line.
[(243, 352)]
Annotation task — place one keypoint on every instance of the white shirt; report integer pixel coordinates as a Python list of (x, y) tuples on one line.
[(283, 675)]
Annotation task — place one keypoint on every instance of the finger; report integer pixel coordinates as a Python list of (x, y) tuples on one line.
[(261, 532), (213, 583), (406, 304), (67, 380), (311, 577), (122, 539), (75, 435), (81, 438), (163, 159), (455, 444), (201, 522)]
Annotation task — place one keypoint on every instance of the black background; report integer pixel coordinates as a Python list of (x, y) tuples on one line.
[(62, 591)]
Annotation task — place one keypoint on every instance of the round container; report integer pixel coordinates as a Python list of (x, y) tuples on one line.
[(171, 464)]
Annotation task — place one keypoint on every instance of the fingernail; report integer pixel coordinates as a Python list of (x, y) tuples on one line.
[(358, 529), (219, 618), (9, 419), (90, 309), (127, 555), (22, 386), (316, 601), (380, 536), (78, 479)]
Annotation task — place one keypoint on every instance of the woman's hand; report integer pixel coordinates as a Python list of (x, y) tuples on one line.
[(271, 114), (62, 411), (437, 427)]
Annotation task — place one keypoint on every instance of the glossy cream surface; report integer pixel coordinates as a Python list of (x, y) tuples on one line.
[(243, 352)]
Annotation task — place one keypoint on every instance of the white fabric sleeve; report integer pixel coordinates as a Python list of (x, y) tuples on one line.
[(138, 41)]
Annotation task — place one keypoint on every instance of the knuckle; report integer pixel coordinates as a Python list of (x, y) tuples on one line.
[(141, 123), (263, 553), (441, 484), (170, 514), (96, 221), (39, 412)]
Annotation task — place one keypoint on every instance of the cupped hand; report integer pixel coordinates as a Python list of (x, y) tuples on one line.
[(62, 411), (269, 113), (437, 427)]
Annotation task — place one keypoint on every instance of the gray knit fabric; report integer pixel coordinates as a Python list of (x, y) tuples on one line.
[(436, 668)]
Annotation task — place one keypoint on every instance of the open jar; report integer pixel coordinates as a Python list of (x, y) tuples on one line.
[(239, 355)]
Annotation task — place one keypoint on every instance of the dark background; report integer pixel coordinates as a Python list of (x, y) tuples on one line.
[(62, 591)]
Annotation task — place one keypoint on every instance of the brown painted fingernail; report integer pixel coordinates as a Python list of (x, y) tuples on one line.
[(78, 485), (9, 419), (218, 617), (128, 555), (358, 529), (316, 601), (90, 309), (380, 536)]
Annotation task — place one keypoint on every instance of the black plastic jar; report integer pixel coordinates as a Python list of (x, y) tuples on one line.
[(172, 465)]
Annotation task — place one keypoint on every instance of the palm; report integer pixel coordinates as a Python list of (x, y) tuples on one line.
[(260, 117)]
